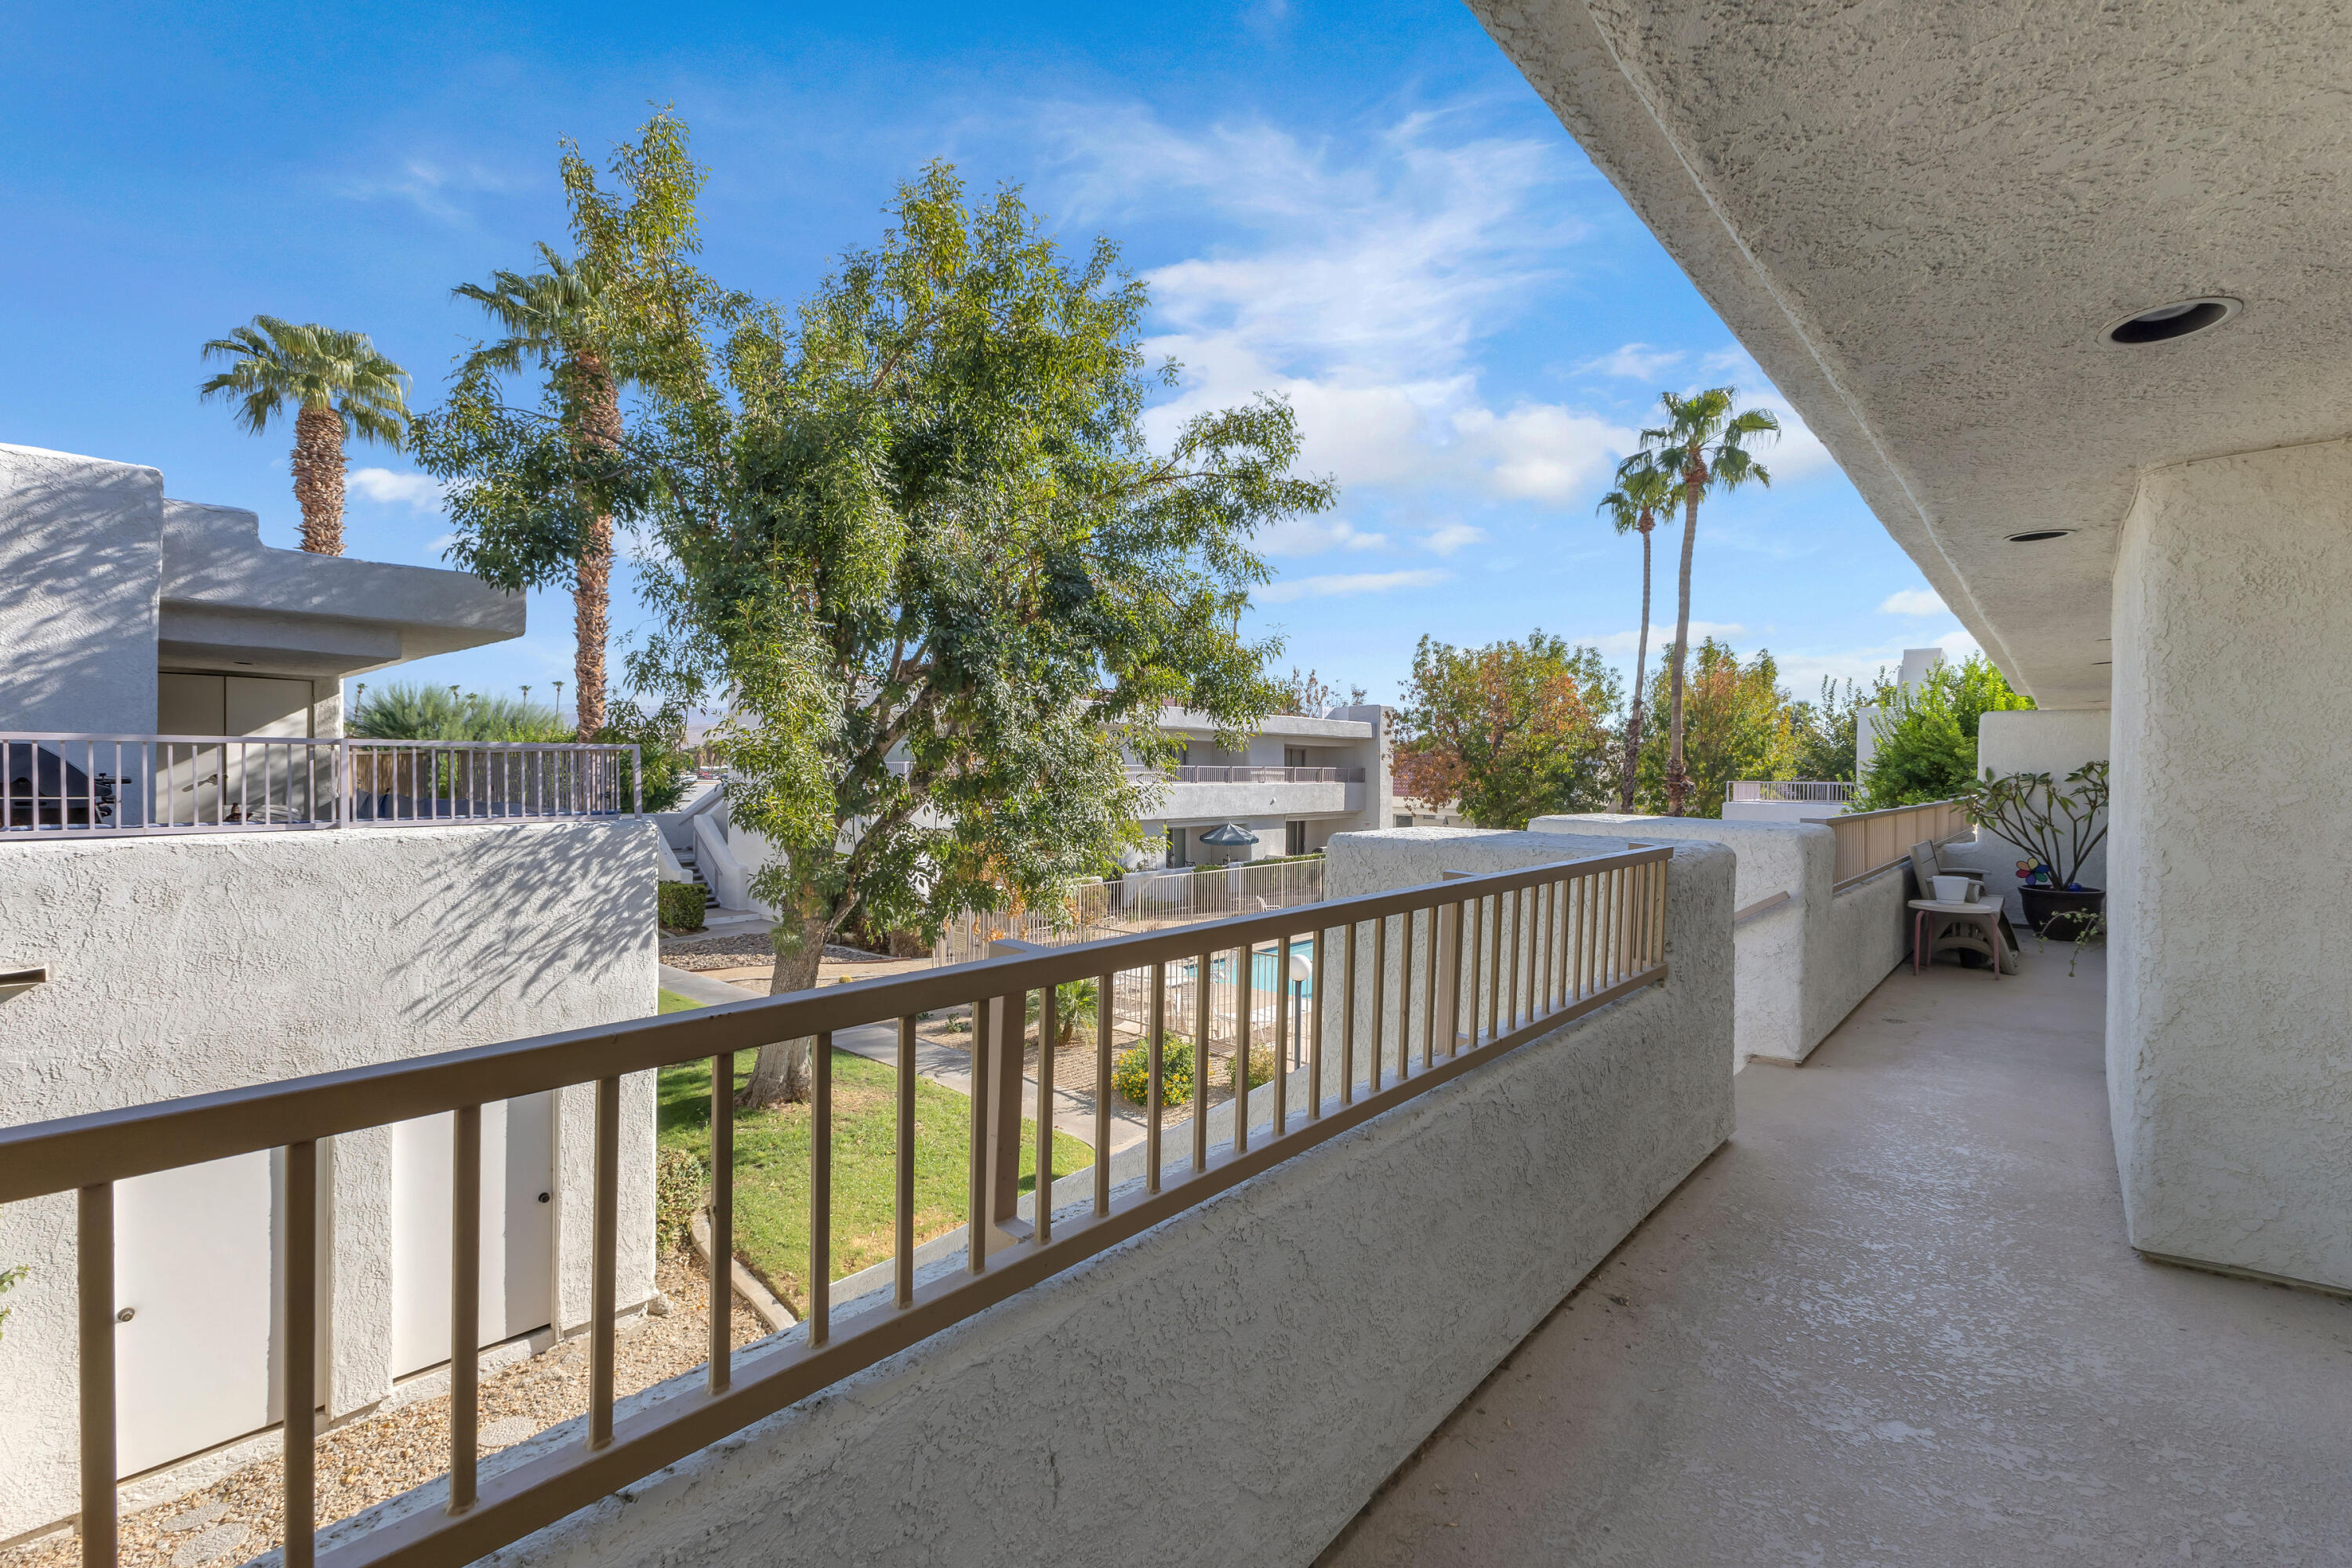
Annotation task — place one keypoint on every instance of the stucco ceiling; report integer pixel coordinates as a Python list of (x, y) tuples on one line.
[(1919, 217)]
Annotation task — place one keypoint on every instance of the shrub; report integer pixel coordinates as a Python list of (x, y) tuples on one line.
[(1074, 1008), (1130, 1074), (682, 904), (679, 1184), (1261, 1067)]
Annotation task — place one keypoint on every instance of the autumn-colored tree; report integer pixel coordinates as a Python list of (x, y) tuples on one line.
[(1737, 723), (1513, 731)]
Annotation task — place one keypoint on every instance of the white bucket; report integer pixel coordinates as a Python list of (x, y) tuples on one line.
[(1953, 890)]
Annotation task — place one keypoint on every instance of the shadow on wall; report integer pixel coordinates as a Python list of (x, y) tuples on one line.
[(80, 569), (562, 895)]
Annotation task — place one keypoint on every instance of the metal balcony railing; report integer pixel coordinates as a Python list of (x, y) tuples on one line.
[(76, 783), (1496, 961), (1192, 774), (1800, 791)]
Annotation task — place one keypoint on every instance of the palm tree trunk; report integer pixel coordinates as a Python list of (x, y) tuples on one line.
[(1677, 781), (781, 1073), (592, 590), (1640, 673), (318, 480)]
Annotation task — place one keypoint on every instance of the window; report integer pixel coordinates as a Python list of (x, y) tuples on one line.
[(1176, 847), (1295, 757), (1294, 839)]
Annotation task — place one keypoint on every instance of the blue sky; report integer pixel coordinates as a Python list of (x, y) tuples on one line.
[(1361, 205)]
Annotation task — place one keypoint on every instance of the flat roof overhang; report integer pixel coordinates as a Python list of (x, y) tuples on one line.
[(1919, 219)]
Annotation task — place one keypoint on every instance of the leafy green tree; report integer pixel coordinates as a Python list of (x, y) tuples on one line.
[(1825, 731), (1513, 731), (1645, 490), (1928, 733), (339, 386), (530, 489), (913, 536), (1705, 443), (1739, 726)]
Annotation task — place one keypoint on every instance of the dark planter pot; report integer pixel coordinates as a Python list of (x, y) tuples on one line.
[(2058, 914)]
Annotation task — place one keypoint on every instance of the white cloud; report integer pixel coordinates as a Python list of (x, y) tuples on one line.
[(429, 186), (420, 492), (1635, 362), (438, 549), (1306, 535), (1914, 602), (1455, 536), (1377, 269), (1338, 586), (1660, 635)]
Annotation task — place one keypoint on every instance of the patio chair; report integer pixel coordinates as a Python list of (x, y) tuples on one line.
[(1928, 863)]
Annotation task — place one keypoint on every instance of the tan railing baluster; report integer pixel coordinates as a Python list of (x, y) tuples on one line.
[(983, 1027), (605, 1287), (465, 1301), (903, 1157), (1507, 1015), (1244, 983), (1154, 1093), (1315, 1011), (821, 1191), (300, 1311), (722, 1222), (1102, 1095), (1348, 1032), (94, 1281), (1281, 1035), (1459, 920), (1048, 1022), (1381, 1004), (1201, 1003)]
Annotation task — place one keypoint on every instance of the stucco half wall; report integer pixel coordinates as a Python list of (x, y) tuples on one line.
[(2228, 993), (1232, 1386), (185, 965), (1804, 965)]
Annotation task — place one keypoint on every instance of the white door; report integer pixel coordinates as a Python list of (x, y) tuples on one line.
[(195, 1271), (518, 1229), (264, 782)]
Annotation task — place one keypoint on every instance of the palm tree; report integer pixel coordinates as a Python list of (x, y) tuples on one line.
[(339, 386), (555, 317), (1704, 444), (1644, 491)]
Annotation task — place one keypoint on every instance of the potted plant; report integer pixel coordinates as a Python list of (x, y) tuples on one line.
[(2058, 826)]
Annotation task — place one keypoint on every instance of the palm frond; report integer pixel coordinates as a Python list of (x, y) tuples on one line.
[(276, 362)]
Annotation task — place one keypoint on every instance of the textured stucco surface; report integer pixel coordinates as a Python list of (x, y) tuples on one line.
[(2053, 741), (1232, 1386), (1895, 1322), (187, 965), (80, 569), (1803, 965), (2229, 998), (1919, 218)]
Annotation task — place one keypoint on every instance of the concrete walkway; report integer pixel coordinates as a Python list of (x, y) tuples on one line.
[(1895, 1321)]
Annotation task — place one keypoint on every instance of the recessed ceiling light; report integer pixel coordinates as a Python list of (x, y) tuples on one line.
[(2036, 535), (2167, 322)]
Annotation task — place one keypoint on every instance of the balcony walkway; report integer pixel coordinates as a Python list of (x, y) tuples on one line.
[(1895, 1321)]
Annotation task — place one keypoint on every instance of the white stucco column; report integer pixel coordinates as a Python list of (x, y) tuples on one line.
[(2230, 992)]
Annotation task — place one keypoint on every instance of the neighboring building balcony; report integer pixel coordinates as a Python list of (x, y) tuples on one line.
[(1231, 793), (1787, 800), (73, 785)]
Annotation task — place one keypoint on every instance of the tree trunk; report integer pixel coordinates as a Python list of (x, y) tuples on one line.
[(1677, 781), (1640, 670), (592, 590), (319, 479), (782, 1074)]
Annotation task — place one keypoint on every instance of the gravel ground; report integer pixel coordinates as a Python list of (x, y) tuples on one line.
[(369, 1461), (741, 948)]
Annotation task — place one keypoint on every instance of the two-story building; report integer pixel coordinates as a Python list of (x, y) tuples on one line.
[(1294, 782)]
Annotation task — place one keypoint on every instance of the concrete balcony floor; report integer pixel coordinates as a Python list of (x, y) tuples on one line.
[(1895, 1321)]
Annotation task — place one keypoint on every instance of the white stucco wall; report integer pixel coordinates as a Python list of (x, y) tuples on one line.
[(1232, 1384), (2228, 993), (2053, 741), (187, 965), (80, 570), (1803, 965)]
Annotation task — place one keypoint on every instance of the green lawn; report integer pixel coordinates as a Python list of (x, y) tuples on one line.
[(671, 1002), (771, 1165)]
